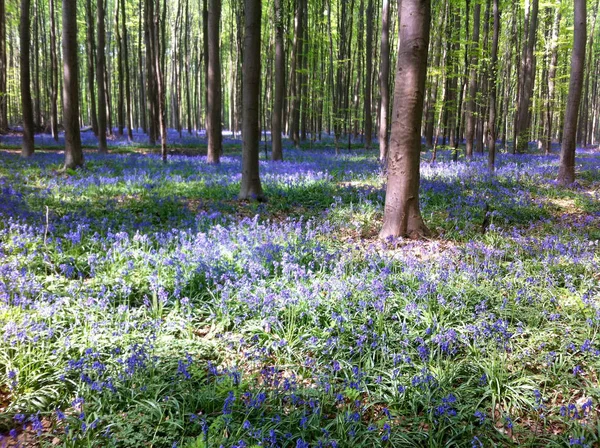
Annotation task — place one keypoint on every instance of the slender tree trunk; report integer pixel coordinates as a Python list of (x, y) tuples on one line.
[(470, 112), (3, 70), (214, 83), (121, 75), (128, 105), (384, 76), (159, 80), (91, 54), (402, 215), (142, 83), (100, 81), (433, 91), (551, 81), (187, 70), (276, 151), (528, 76), (151, 91), (295, 87), (27, 106), (493, 89), (251, 187), (73, 152), (566, 173), (36, 69), (369, 70), (582, 136)]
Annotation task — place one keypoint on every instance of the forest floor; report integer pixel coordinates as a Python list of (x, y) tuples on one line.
[(142, 305)]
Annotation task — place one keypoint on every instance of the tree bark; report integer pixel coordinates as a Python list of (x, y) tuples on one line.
[(73, 152), (27, 147), (214, 84), (492, 131), (384, 86), (251, 187), (566, 173), (276, 150), (100, 80), (402, 215)]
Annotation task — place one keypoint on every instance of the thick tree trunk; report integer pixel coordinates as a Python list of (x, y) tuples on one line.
[(527, 77), (493, 89), (100, 81), (402, 216), (27, 148), (384, 80), (3, 70), (251, 187), (128, 106), (566, 173), (73, 152), (470, 112), (214, 84), (276, 151)]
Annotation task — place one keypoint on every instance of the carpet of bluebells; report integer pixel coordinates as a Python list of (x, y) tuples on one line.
[(142, 305)]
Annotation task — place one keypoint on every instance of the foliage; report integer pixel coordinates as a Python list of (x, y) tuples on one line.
[(141, 305)]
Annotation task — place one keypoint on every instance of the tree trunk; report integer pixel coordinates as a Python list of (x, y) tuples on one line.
[(188, 101), (402, 216), (151, 91), (369, 70), (276, 150), (124, 40), (566, 173), (582, 137), (91, 52), (527, 75), (470, 112), (120, 74), (214, 84), (142, 84), (27, 106), (295, 78), (493, 89), (100, 68), (251, 187), (384, 77), (547, 144), (3, 70), (160, 88), (73, 152)]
